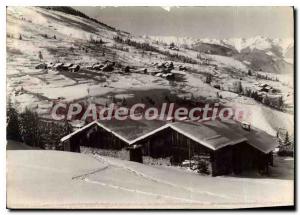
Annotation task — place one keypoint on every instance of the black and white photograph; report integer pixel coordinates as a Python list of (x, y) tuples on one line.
[(150, 107)]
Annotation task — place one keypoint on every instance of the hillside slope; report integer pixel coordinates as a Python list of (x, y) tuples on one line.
[(69, 38), (54, 179)]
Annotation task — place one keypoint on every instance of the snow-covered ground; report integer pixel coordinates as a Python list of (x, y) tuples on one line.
[(54, 179), (41, 87), (257, 114)]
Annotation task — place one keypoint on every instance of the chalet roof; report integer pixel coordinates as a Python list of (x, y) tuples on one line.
[(255, 137), (131, 130), (74, 66), (263, 85), (58, 65), (97, 65), (216, 134), (213, 134), (268, 87), (77, 131), (68, 64)]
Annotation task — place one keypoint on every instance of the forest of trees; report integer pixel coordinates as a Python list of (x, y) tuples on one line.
[(267, 100), (27, 127)]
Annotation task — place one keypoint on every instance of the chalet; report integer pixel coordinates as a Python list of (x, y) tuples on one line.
[(96, 66), (58, 66), (108, 67), (127, 69), (165, 75), (50, 65), (141, 70), (217, 86), (265, 88), (170, 76), (174, 48), (41, 66), (226, 145), (74, 68), (182, 68), (66, 66)]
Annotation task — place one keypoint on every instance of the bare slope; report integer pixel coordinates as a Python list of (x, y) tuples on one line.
[(53, 179)]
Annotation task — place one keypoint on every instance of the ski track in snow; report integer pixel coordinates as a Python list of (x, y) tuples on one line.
[(143, 192), (90, 173), (139, 174)]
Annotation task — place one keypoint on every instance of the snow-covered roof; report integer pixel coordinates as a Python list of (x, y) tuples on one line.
[(268, 87), (74, 66), (68, 64), (130, 131), (77, 131), (213, 134), (58, 64), (255, 137)]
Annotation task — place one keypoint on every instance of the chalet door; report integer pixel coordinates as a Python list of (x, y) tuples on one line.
[(74, 144), (136, 155), (243, 158)]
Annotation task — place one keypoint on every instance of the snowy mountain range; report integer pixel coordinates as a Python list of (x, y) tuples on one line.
[(275, 55), (258, 42)]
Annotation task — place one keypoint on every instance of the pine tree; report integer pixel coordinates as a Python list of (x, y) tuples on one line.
[(208, 79), (124, 102), (40, 55), (281, 103), (30, 128), (266, 100), (12, 124), (113, 99), (287, 139)]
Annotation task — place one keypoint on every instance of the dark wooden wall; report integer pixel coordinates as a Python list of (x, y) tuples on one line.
[(239, 158), (221, 161), (169, 143), (94, 137)]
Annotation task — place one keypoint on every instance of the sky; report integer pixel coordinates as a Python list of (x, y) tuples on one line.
[(198, 22)]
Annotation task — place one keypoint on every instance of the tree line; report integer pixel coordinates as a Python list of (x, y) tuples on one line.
[(266, 99), (29, 128)]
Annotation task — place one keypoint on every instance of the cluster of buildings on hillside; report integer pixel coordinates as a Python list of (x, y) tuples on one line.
[(59, 66)]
